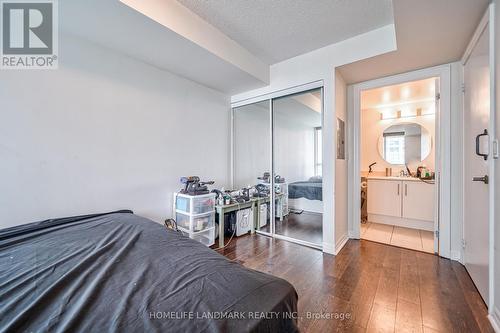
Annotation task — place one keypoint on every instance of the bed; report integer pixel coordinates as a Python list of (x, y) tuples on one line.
[(306, 195), (118, 272)]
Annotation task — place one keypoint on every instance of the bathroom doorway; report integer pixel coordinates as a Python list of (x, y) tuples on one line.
[(397, 166)]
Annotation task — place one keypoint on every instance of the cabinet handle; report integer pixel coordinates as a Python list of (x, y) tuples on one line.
[(398, 189), (406, 190)]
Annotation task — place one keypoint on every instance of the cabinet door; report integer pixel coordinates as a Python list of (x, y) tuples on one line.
[(418, 201), (384, 197)]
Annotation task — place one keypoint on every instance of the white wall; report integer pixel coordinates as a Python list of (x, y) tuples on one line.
[(294, 148), (341, 180), (251, 143), (104, 132), (372, 127)]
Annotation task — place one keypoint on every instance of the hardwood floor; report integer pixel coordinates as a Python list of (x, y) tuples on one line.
[(369, 287), (305, 226)]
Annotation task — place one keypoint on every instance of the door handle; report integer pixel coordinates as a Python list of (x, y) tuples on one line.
[(485, 179), (398, 189), (406, 190), (478, 137)]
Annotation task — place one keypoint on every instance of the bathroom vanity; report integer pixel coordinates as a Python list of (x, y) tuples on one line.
[(402, 201)]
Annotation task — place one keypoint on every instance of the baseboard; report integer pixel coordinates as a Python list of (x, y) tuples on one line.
[(456, 255), (328, 248), (494, 318), (340, 243), (352, 236)]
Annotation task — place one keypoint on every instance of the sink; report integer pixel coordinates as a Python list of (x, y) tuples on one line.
[(400, 178)]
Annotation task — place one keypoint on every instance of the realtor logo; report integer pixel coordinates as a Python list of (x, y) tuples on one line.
[(29, 34)]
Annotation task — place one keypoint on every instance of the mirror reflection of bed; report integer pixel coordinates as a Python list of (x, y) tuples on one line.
[(305, 199), (296, 139), (297, 158)]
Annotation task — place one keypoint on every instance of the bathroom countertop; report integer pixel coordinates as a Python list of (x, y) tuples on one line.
[(411, 179)]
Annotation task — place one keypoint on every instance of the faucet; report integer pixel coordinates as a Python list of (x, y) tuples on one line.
[(370, 167), (408, 170), (402, 173)]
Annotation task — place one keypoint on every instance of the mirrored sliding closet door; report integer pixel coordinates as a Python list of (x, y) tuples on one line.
[(297, 149), (252, 158), (277, 164)]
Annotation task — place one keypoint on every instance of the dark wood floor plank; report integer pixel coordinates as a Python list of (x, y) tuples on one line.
[(387, 291), (408, 317), (380, 288), (382, 319), (408, 288), (473, 298)]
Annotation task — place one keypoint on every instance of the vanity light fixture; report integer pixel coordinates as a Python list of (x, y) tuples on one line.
[(399, 114)]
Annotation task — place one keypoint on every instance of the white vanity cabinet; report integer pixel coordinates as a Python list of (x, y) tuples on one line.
[(418, 200), (384, 197), (406, 203)]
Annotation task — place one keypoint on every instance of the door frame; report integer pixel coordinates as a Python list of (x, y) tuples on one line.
[(488, 20), (270, 97), (442, 151)]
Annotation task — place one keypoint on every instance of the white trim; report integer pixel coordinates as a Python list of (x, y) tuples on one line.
[(231, 153), (280, 93), (271, 169), (329, 248), (491, 172), (456, 255), (298, 241), (443, 147), (494, 318), (477, 34), (339, 245)]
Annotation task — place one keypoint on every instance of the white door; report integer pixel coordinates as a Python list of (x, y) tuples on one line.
[(476, 196), (418, 200), (384, 197)]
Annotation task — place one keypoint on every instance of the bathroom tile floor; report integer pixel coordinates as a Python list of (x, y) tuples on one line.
[(414, 239)]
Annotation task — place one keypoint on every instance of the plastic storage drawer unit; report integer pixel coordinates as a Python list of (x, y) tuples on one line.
[(195, 216), (195, 204)]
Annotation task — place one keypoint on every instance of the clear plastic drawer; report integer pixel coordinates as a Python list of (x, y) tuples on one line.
[(195, 223), (195, 204), (206, 237)]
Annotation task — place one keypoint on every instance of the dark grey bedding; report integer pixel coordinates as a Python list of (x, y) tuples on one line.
[(119, 272), (312, 190)]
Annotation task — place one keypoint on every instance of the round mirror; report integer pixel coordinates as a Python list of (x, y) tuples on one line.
[(405, 144)]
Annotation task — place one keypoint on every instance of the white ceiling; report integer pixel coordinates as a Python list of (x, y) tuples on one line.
[(275, 30), (404, 93), (118, 27), (428, 32)]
